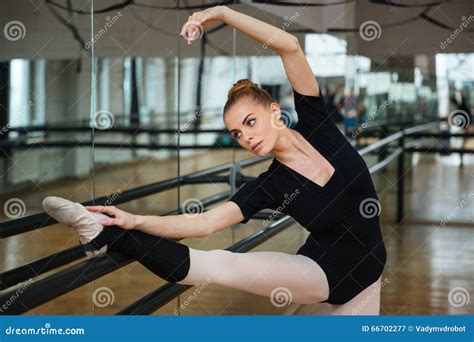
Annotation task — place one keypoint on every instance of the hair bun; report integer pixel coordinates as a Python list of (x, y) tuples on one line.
[(239, 85)]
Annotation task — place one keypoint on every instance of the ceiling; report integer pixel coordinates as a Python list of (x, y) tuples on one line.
[(385, 28), (392, 30)]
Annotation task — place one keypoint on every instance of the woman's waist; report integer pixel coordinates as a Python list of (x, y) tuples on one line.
[(348, 233)]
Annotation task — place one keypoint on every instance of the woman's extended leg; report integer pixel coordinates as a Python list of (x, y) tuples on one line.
[(265, 273), (365, 303), (296, 278)]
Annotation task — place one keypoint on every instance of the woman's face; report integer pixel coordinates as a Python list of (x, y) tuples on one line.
[(253, 125)]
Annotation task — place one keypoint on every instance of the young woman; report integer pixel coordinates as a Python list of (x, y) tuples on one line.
[(316, 176)]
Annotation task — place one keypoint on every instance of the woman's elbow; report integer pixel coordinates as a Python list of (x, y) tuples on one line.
[(207, 227), (294, 45), (205, 231)]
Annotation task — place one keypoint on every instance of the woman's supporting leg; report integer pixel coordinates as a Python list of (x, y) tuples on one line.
[(365, 303), (296, 277)]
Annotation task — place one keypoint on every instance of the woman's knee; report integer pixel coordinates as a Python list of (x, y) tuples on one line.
[(215, 266), (225, 266)]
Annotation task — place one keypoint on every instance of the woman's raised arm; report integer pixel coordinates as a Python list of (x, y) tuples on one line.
[(284, 44)]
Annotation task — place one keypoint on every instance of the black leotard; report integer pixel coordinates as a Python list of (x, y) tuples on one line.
[(342, 216)]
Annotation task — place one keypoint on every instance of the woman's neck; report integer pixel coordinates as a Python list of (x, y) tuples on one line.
[(290, 147)]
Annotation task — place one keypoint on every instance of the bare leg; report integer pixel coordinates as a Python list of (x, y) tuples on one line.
[(268, 274), (365, 303)]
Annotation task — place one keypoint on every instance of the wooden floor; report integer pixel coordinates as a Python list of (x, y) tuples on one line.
[(426, 259)]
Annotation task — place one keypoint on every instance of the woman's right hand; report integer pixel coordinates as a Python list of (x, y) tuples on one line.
[(198, 21), (119, 217)]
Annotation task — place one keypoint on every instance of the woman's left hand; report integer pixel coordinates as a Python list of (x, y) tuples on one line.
[(198, 21)]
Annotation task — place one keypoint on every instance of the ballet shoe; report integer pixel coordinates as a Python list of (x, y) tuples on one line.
[(75, 215)]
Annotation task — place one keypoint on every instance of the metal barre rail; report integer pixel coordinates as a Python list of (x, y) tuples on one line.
[(41, 220), (48, 263), (74, 276), (153, 130)]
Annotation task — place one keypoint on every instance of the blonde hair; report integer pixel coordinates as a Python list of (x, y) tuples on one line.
[(246, 87)]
